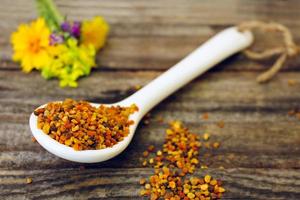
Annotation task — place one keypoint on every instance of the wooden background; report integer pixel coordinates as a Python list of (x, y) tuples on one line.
[(260, 143)]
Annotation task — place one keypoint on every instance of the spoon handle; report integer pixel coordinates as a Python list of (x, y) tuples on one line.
[(216, 49)]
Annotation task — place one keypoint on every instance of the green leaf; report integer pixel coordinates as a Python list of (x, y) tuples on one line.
[(48, 10)]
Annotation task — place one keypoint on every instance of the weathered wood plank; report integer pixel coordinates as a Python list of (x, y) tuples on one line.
[(260, 143), (154, 34), (242, 146), (104, 183), (258, 132), (109, 86)]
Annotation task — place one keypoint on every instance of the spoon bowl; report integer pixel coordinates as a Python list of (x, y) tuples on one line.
[(221, 46), (85, 156)]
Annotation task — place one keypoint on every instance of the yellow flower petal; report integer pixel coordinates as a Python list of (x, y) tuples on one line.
[(94, 32), (30, 43)]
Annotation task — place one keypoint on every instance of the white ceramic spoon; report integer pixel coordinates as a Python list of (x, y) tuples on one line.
[(221, 46)]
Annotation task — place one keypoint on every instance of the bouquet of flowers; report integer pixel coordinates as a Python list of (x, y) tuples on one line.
[(57, 47)]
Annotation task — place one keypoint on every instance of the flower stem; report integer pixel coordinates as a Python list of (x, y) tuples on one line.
[(48, 10)]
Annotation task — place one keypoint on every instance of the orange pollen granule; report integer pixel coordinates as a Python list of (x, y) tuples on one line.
[(82, 126)]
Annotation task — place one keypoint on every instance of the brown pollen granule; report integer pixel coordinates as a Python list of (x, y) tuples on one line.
[(205, 116), (295, 112), (221, 124), (292, 82), (28, 180), (82, 126), (33, 139), (174, 166)]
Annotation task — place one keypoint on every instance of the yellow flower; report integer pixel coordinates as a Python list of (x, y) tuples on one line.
[(30, 43), (94, 32), (69, 62)]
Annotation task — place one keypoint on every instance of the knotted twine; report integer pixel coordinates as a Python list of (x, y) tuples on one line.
[(288, 50)]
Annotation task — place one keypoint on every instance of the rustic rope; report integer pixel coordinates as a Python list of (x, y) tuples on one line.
[(289, 49)]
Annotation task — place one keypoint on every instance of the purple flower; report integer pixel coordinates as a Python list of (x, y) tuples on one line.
[(65, 26), (56, 39), (75, 29), (72, 28)]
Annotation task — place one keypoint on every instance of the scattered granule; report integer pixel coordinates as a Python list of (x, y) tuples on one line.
[(172, 184), (207, 145), (205, 116), (145, 162), (181, 147), (292, 82), (142, 181), (191, 195), (203, 166), (82, 126), (147, 186), (221, 167), (221, 124), (160, 119), (174, 166), (151, 148), (159, 153), (221, 190), (213, 182), (137, 87), (207, 178), (151, 160), (204, 187), (33, 139), (146, 122), (28, 180), (143, 192), (153, 196), (194, 161), (216, 145), (206, 136), (294, 113), (146, 119), (145, 153)]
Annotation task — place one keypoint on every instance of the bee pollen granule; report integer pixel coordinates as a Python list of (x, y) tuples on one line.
[(174, 166), (82, 126)]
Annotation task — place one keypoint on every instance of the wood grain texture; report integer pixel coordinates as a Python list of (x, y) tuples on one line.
[(260, 143), (122, 183), (156, 35)]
